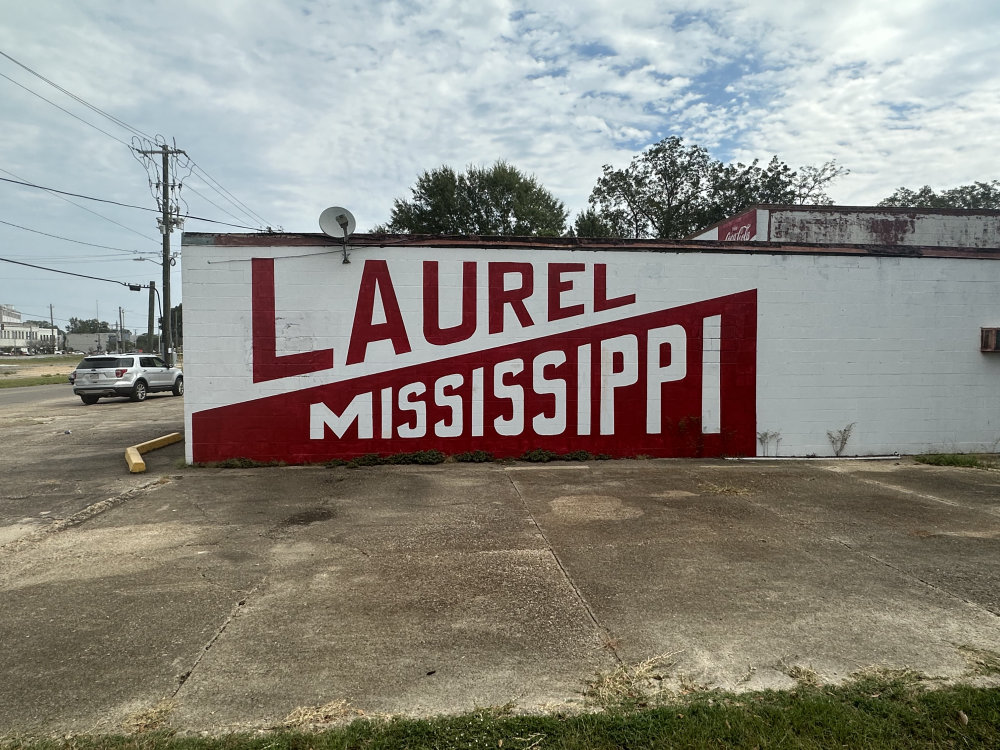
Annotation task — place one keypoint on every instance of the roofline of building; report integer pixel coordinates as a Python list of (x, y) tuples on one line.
[(274, 239), (907, 212)]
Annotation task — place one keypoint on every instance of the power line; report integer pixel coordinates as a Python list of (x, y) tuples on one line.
[(217, 186), (206, 198), (226, 194), (68, 239), (63, 109), (89, 211), (67, 273), (124, 205), (98, 110)]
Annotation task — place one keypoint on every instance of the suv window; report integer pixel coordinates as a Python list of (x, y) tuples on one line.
[(99, 363), (147, 362)]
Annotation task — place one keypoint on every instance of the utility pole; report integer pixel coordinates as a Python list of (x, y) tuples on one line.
[(167, 223), (52, 329), (149, 321)]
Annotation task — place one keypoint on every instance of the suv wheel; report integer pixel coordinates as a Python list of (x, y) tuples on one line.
[(89, 400), (179, 387), (139, 391)]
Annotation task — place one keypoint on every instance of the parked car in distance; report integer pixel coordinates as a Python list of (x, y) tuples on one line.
[(132, 375)]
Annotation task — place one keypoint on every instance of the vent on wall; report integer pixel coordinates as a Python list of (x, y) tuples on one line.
[(990, 340)]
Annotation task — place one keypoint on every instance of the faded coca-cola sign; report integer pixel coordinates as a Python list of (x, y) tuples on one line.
[(743, 228)]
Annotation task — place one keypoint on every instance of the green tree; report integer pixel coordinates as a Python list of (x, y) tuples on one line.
[(90, 325), (671, 190), (145, 344), (590, 224), (978, 195), (489, 201)]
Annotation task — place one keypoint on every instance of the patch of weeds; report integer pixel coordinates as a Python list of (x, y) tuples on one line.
[(152, 719), (747, 675), (982, 661), (474, 457), (839, 438), (577, 456), (240, 462), (539, 456), (369, 459), (805, 676), (313, 717), (396, 459), (965, 460), (630, 687), (334, 463), (689, 685)]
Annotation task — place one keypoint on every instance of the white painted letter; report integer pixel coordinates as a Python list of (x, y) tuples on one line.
[(477, 402), (583, 390), (711, 376), (513, 393), (359, 410), (628, 347), (676, 337), (453, 402), (417, 407), (556, 424)]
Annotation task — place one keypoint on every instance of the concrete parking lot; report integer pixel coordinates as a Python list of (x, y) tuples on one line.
[(226, 598)]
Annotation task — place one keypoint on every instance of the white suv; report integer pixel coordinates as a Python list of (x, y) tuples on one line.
[(132, 375)]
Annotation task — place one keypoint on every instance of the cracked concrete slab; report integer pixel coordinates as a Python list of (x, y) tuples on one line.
[(236, 596)]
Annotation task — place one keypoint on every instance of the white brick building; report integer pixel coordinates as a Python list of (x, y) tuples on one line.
[(617, 347), (16, 335)]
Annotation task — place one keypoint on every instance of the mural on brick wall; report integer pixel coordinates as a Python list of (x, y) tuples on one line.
[(618, 378)]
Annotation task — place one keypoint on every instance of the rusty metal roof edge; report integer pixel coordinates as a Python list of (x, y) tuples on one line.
[(835, 208), (209, 239)]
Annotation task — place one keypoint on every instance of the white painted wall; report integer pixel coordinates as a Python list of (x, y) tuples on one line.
[(890, 345)]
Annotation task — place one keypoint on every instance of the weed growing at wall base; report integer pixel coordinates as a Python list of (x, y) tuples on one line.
[(966, 460)]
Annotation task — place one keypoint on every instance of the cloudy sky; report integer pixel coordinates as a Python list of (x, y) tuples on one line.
[(292, 106)]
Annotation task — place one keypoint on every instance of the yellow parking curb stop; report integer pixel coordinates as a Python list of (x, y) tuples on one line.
[(133, 454)]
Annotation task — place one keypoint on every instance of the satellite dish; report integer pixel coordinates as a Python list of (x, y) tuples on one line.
[(337, 222)]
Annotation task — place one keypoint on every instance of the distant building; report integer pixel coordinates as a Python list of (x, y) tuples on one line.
[(16, 336), (859, 225), (106, 341)]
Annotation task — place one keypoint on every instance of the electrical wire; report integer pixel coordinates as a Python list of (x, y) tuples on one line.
[(206, 198), (63, 109), (217, 186), (67, 273), (124, 205), (88, 210), (229, 196), (98, 110), (68, 239)]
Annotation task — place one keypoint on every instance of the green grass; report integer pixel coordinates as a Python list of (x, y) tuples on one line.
[(967, 460), (13, 381), (878, 712)]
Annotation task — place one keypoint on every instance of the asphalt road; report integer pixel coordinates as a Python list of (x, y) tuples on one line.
[(226, 599), (58, 457), (36, 394)]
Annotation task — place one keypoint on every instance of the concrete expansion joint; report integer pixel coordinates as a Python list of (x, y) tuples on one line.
[(233, 614), (81, 516), (607, 639), (918, 579)]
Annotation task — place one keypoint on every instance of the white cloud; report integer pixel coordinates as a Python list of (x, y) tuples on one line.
[(295, 106)]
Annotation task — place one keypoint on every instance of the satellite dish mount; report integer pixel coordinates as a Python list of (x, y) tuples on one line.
[(338, 222)]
